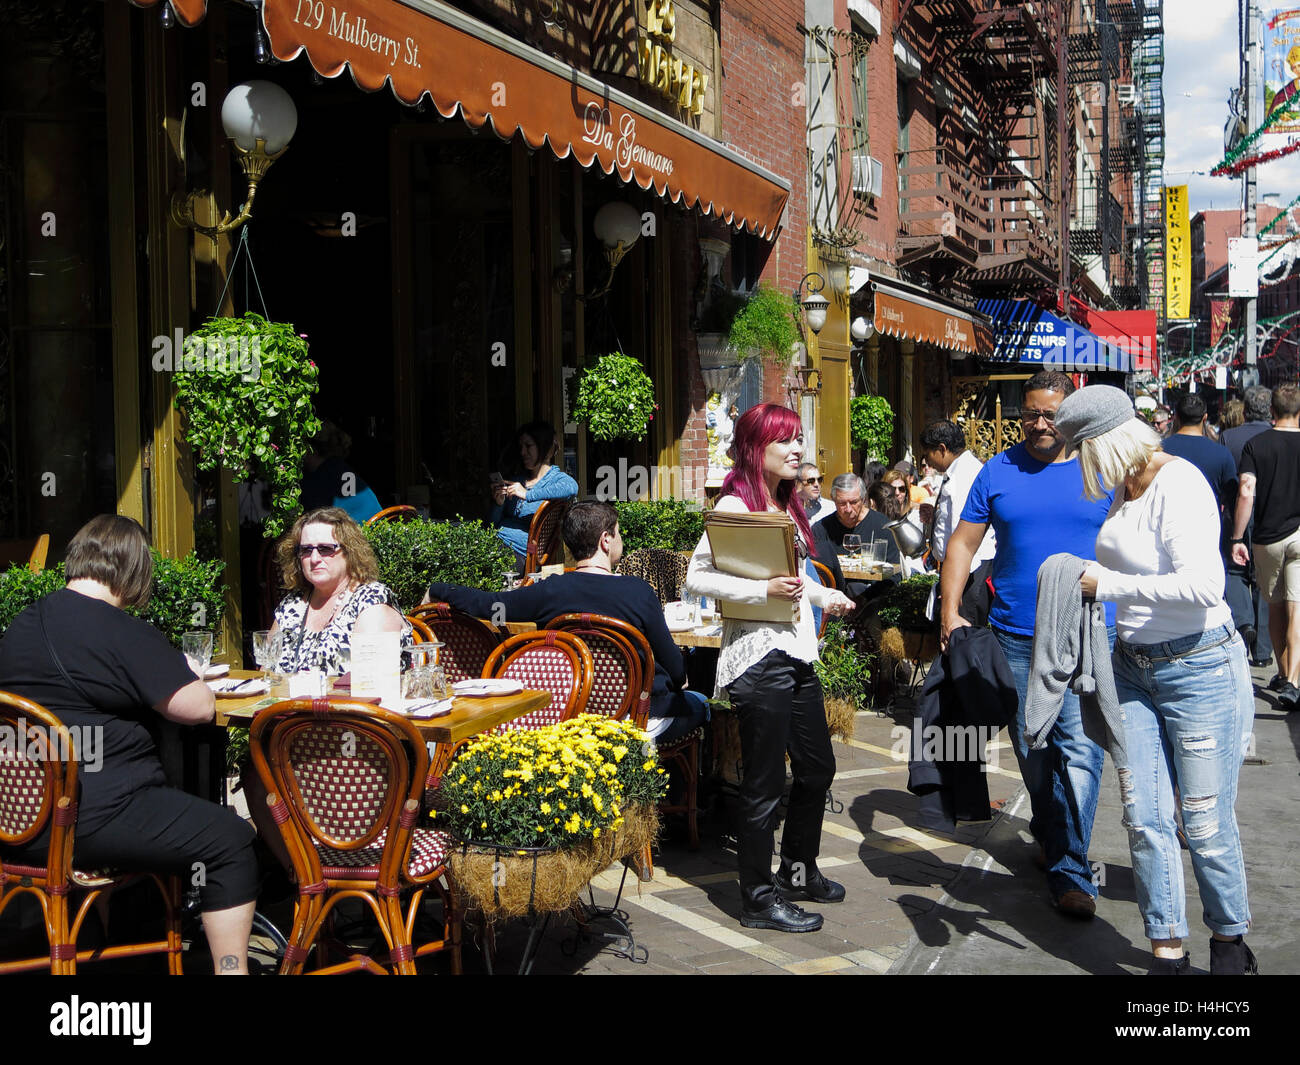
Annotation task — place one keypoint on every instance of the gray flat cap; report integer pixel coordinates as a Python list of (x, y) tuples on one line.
[(1093, 410)]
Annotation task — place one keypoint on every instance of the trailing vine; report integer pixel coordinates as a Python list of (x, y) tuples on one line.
[(245, 386)]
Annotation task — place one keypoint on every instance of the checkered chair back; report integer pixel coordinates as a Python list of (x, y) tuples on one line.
[(34, 773), (344, 770), (544, 544), (663, 570), (617, 640), (551, 661), (467, 641)]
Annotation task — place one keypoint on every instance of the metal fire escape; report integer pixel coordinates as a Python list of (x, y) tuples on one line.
[(1138, 149), (1096, 215), (1007, 53)]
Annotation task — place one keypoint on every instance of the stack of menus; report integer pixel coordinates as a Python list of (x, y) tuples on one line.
[(757, 546)]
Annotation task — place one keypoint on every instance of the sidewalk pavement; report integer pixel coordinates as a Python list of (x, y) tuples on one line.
[(920, 902)]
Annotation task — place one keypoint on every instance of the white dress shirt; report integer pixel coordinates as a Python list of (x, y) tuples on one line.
[(955, 488)]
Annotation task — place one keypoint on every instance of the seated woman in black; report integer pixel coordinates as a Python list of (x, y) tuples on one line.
[(82, 657)]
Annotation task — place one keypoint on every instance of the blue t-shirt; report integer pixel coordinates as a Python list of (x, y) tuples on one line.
[(1036, 509), (1214, 461)]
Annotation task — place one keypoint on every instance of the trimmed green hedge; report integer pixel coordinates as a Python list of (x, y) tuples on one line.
[(413, 554), (673, 524), (188, 595)]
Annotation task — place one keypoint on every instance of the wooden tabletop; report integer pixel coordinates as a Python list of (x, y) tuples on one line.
[(468, 717), (691, 638), (866, 571)]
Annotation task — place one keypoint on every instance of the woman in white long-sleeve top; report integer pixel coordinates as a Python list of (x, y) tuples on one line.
[(766, 669), (1180, 673)]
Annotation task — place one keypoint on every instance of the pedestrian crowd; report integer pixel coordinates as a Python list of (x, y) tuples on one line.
[(1127, 575)]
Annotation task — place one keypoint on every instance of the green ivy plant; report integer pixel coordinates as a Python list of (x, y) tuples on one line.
[(187, 596), (413, 554), (616, 398), (245, 386), (766, 326), (871, 426), (843, 669), (672, 524)]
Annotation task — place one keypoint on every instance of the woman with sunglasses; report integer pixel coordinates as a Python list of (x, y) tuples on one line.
[(766, 669), (334, 590), (897, 482)]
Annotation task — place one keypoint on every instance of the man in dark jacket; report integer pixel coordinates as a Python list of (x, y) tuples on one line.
[(852, 515), (1249, 608), (592, 535)]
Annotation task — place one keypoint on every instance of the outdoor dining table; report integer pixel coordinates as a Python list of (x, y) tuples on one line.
[(859, 569), (468, 718), (705, 636)]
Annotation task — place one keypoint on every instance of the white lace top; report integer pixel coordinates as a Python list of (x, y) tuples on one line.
[(746, 642)]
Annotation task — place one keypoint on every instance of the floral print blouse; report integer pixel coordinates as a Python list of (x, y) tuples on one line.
[(327, 650)]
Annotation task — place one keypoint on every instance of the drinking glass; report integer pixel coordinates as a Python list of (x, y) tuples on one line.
[(509, 580), (878, 550), (198, 651), (689, 604)]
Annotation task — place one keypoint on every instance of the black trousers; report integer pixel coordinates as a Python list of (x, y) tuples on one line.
[(165, 830), (779, 703)]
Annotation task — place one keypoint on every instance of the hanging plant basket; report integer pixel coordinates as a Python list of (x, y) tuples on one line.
[(245, 387), (640, 826), (615, 398), (524, 881), (841, 717)]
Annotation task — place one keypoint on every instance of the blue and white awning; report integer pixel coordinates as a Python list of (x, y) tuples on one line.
[(1024, 332)]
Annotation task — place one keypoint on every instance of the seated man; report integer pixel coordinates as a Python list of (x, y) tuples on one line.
[(592, 536), (852, 515)]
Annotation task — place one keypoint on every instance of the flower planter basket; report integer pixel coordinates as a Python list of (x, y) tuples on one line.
[(920, 646), (524, 881), (640, 827), (840, 717)]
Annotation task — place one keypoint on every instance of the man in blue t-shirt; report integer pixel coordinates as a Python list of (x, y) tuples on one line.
[(1032, 496)]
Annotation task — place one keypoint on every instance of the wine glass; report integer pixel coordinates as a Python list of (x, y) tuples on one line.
[(267, 648), (852, 544), (197, 647)]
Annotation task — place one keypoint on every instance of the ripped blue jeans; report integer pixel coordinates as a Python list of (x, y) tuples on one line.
[(1187, 722)]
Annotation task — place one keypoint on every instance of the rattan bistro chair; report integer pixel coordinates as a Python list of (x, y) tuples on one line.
[(344, 781), (620, 689), (551, 661), (421, 632), (38, 791), (828, 581), (544, 543), (400, 512), (467, 642)]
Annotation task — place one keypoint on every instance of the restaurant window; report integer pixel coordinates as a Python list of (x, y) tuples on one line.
[(904, 128), (57, 461)]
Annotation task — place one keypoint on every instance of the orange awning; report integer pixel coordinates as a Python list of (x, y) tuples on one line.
[(901, 314), (423, 47)]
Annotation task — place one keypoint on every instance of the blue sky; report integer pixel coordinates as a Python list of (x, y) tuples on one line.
[(1201, 66)]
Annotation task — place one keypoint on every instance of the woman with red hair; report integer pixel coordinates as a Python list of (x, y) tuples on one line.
[(766, 670)]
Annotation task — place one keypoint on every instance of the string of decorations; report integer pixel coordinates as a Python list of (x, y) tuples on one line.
[(1285, 212), (1235, 160)]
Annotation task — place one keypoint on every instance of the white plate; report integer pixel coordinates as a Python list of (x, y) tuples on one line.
[(423, 709), (483, 688), (228, 688), (217, 669)]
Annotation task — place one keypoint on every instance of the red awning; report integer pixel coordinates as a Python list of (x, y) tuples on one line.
[(423, 47), (1134, 331)]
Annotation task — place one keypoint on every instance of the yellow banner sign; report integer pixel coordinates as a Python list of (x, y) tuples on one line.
[(1178, 254)]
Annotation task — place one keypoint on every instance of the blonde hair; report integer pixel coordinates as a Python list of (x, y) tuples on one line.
[(1106, 460)]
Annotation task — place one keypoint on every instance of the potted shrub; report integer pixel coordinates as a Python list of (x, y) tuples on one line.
[(245, 387), (187, 596), (845, 673), (615, 398), (413, 554), (537, 813), (903, 608), (672, 524), (766, 327)]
